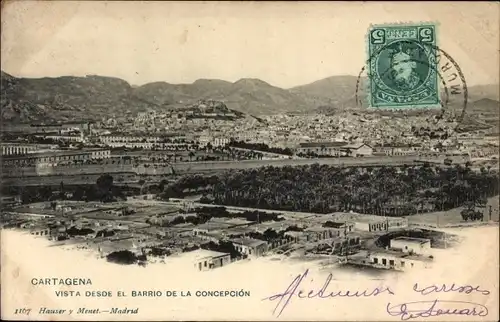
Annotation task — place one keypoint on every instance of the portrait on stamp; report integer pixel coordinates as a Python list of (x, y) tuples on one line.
[(402, 66)]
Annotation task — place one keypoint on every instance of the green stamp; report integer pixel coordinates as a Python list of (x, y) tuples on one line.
[(402, 66)]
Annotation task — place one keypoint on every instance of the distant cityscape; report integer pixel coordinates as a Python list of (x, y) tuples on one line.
[(214, 185)]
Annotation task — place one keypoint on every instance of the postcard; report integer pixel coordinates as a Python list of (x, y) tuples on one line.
[(249, 161)]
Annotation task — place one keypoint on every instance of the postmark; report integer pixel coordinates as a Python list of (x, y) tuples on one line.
[(443, 78), (402, 67)]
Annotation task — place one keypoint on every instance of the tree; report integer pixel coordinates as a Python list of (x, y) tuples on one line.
[(123, 257), (61, 188), (105, 182), (79, 193), (224, 247), (271, 234), (73, 231), (383, 190), (161, 185), (106, 192)]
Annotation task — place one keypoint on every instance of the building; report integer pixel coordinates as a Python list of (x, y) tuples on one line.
[(398, 150), (274, 225), (336, 149), (322, 148), (55, 157), (371, 223), (250, 246), (296, 236), (9, 201), (210, 227), (358, 150), (40, 231), (172, 142), (100, 154), (317, 233), (220, 141), (203, 259), (398, 261), (240, 231), (230, 222), (340, 245), (411, 245), (339, 228), (24, 148), (69, 137), (380, 223)]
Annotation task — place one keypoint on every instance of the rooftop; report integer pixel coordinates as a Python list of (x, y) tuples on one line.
[(231, 221), (397, 254), (294, 233), (202, 254), (248, 242), (336, 224), (355, 146), (413, 239), (50, 154), (24, 144), (322, 144), (317, 228), (184, 226), (364, 218), (239, 230), (212, 226)]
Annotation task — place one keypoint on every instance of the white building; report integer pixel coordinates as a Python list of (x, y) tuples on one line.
[(62, 137), (398, 261), (371, 223), (204, 260), (100, 154), (380, 223), (21, 149), (411, 245), (220, 141), (250, 246), (358, 150)]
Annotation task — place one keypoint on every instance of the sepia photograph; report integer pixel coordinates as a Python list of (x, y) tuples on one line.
[(256, 161)]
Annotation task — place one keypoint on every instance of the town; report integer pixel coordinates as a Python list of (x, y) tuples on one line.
[(214, 186)]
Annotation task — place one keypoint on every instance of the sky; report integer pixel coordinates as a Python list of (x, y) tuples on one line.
[(284, 44)]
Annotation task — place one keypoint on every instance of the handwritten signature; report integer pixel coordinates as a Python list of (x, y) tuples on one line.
[(467, 289), (285, 298), (424, 309)]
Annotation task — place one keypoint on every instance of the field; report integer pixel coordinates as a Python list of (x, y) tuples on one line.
[(192, 167), (120, 179), (453, 217)]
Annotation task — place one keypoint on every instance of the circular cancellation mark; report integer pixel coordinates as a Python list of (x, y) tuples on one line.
[(451, 78)]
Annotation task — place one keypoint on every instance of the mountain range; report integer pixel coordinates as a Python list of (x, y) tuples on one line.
[(92, 97)]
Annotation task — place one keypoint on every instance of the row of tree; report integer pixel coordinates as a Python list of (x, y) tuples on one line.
[(204, 214), (385, 191), (260, 147), (103, 190)]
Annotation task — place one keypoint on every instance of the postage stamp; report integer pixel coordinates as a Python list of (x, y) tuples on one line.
[(402, 66)]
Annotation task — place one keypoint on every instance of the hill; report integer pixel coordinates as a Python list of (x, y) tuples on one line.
[(335, 88), (486, 105), (340, 90), (74, 98), (66, 98), (251, 96)]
